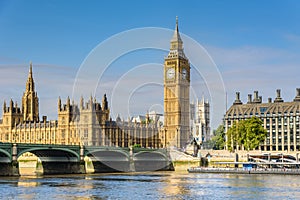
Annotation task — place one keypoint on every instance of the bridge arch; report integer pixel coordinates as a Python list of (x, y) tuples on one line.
[(108, 155), (52, 154), (53, 160), (107, 160), (5, 156), (151, 161), (150, 155)]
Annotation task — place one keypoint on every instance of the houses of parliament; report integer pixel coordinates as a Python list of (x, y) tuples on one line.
[(89, 122)]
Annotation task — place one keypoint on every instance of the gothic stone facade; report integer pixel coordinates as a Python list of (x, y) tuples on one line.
[(200, 121), (280, 119), (88, 123)]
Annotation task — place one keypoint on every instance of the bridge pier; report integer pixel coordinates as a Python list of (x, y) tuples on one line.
[(131, 161), (82, 169), (9, 169), (15, 164)]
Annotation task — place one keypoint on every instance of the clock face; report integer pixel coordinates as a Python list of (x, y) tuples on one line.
[(171, 73), (184, 73)]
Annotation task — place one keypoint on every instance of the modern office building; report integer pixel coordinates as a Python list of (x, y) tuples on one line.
[(280, 119)]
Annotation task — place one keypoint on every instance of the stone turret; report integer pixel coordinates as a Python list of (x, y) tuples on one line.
[(104, 103), (11, 105), (59, 104), (81, 102), (4, 106), (30, 100), (68, 102)]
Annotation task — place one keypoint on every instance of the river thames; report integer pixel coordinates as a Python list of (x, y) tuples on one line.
[(154, 185)]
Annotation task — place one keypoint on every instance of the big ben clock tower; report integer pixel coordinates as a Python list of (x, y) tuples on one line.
[(176, 94)]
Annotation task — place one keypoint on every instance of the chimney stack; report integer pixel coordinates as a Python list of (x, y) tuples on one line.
[(297, 98), (256, 98), (249, 98), (255, 94), (278, 97), (269, 100), (237, 99)]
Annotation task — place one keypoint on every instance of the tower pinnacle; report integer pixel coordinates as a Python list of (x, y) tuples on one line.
[(176, 46), (30, 69), (177, 23), (30, 81), (30, 101)]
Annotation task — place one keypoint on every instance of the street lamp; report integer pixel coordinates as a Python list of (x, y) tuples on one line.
[(14, 137), (165, 138), (178, 137)]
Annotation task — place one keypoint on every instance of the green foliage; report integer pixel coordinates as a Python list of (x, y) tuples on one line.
[(218, 140), (232, 135), (248, 133), (136, 146)]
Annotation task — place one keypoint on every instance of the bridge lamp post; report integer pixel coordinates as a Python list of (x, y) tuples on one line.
[(14, 137), (165, 138), (130, 141), (178, 137), (82, 142), (292, 135)]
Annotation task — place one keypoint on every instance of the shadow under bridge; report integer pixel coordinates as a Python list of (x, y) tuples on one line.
[(156, 160), (54, 160), (107, 159)]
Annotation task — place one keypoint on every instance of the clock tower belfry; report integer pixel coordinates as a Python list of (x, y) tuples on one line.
[(176, 94)]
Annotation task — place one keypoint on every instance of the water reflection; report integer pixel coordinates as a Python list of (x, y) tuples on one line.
[(158, 185), (175, 186)]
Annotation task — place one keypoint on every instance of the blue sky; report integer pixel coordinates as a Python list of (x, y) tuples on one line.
[(255, 44)]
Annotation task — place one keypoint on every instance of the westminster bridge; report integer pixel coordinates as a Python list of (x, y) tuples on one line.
[(75, 159)]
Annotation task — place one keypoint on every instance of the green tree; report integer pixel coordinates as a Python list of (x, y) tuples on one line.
[(248, 133), (136, 146), (254, 133), (218, 140), (232, 136)]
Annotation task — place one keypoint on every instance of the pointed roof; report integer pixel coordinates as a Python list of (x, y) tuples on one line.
[(30, 81), (176, 44), (30, 70), (176, 36)]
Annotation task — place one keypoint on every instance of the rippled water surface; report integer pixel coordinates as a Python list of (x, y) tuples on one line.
[(157, 185)]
